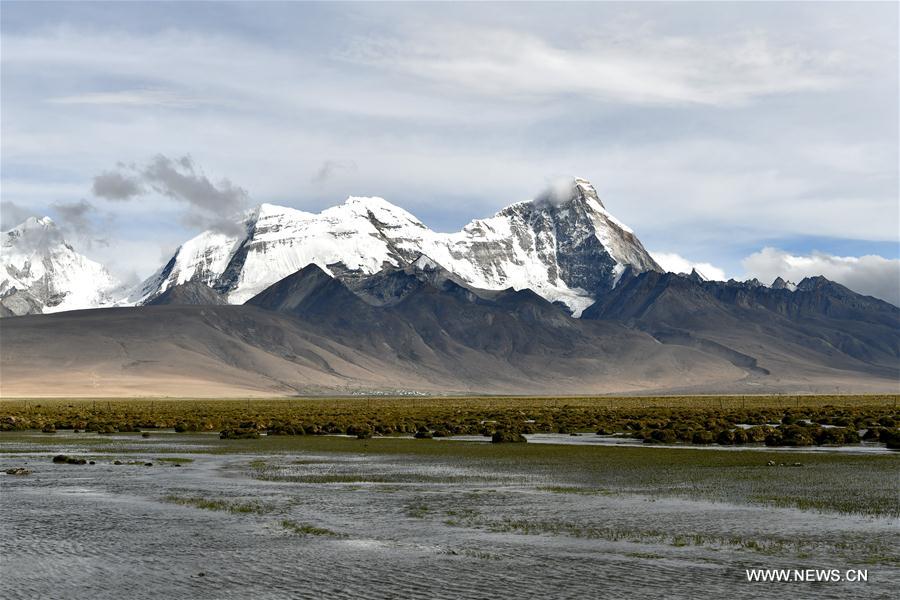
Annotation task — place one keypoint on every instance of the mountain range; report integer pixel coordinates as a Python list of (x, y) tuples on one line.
[(549, 296)]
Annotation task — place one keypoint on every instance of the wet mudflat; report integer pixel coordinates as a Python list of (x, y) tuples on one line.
[(314, 517)]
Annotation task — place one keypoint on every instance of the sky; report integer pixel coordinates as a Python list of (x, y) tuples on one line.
[(748, 140)]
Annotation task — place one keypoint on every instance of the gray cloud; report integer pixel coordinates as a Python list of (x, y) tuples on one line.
[(181, 180), (114, 185), (870, 275), (330, 168), (72, 221), (79, 221), (39, 236), (11, 214), (210, 205), (75, 215)]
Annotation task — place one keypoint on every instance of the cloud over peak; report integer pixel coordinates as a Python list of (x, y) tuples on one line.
[(209, 205), (870, 275), (675, 263)]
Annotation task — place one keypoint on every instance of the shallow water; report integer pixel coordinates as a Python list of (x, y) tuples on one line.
[(403, 527), (619, 440)]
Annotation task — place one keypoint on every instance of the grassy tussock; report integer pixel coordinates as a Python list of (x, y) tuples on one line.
[(219, 505), (687, 419), (307, 529)]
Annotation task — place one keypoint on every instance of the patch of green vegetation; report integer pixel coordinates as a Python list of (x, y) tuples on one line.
[(216, 504), (417, 510), (239, 433), (176, 460), (770, 545), (830, 482), (506, 436), (274, 473), (845, 501), (470, 553), (572, 489), (458, 517), (684, 419), (308, 529), (462, 513)]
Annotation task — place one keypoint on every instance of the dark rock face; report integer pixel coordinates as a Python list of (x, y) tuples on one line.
[(565, 233), (191, 292), (15, 302), (229, 278), (313, 294), (733, 319), (417, 311)]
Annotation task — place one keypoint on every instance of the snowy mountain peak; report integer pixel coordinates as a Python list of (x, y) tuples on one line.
[(781, 284), (380, 209), (41, 272), (36, 223), (564, 245), (585, 187), (33, 230), (568, 193), (370, 202)]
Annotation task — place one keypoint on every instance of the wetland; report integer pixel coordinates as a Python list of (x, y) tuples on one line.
[(189, 514)]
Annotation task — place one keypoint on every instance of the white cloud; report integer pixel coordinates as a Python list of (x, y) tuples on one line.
[(640, 68), (134, 98), (675, 263), (456, 125), (870, 275)]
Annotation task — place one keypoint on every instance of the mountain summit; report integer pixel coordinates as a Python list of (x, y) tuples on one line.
[(41, 272), (564, 245)]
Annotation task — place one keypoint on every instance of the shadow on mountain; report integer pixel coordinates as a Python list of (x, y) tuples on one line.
[(418, 328), (772, 329)]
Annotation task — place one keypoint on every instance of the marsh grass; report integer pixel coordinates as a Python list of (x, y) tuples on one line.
[(274, 473), (829, 482), (771, 545), (460, 516), (175, 460), (685, 419), (644, 555), (571, 489), (418, 510), (857, 484), (308, 529), (219, 505), (470, 553)]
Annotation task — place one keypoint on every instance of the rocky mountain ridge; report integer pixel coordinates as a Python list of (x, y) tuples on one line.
[(564, 245)]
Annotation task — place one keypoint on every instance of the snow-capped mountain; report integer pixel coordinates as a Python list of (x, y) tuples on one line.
[(563, 245), (43, 273)]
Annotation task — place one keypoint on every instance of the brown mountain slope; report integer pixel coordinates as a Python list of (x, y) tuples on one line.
[(310, 334), (244, 350)]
